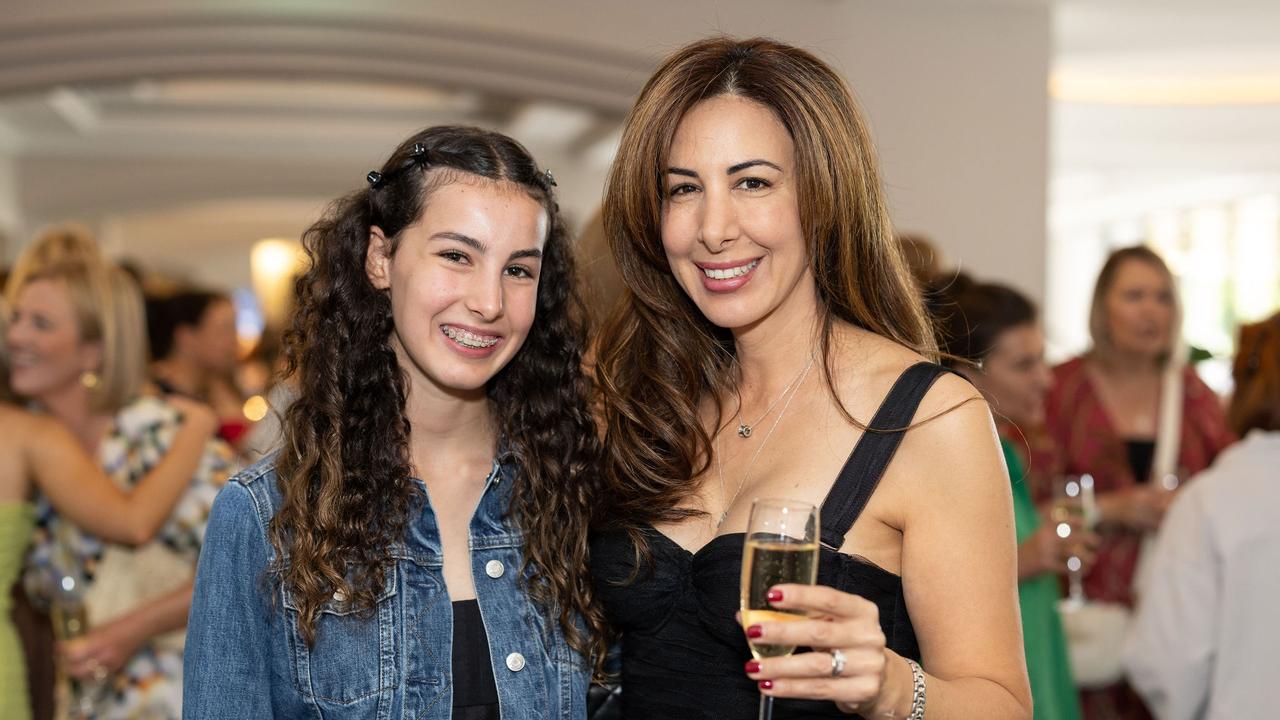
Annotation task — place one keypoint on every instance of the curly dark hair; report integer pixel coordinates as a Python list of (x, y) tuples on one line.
[(344, 469)]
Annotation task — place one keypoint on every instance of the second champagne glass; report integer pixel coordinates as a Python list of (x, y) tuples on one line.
[(781, 547)]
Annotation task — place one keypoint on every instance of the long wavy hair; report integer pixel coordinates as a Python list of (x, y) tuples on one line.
[(658, 355), (344, 469)]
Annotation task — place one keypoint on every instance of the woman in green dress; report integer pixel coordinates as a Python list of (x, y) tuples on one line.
[(992, 335)]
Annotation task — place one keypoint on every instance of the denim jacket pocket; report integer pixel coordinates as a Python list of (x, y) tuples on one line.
[(353, 658)]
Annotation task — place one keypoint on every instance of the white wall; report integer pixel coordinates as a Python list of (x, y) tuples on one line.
[(956, 92)]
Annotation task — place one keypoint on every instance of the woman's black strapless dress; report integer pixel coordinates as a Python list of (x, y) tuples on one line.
[(682, 651)]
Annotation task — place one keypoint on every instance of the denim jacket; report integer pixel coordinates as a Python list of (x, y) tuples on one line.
[(246, 659)]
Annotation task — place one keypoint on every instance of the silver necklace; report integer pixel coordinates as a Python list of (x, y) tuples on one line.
[(794, 389), (745, 429)]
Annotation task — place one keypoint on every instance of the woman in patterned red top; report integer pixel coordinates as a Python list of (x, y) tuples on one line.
[(1102, 416)]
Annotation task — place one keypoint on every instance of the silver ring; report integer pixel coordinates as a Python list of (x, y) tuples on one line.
[(837, 662)]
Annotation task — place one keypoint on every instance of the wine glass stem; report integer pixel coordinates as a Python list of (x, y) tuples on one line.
[(766, 707), (1075, 585)]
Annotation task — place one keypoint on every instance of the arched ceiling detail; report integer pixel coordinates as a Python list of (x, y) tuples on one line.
[(90, 48)]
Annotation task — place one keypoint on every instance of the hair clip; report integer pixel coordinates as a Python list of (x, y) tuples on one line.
[(551, 180), (417, 157)]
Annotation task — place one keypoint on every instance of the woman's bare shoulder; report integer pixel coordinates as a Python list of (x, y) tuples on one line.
[(877, 362), (18, 424), (32, 431)]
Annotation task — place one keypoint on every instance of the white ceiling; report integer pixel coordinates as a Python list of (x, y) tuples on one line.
[(144, 107), (1162, 102)]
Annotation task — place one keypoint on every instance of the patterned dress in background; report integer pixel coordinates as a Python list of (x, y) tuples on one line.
[(1084, 440), (113, 579)]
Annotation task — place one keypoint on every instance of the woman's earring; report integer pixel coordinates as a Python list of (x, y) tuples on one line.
[(89, 379)]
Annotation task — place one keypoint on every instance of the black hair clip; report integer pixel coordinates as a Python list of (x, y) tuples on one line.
[(551, 180), (417, 158)]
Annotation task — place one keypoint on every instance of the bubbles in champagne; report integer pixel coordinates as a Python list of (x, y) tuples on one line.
[(766, 563)]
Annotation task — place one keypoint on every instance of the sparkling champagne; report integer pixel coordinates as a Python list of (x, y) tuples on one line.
[(70, 620), (766, 563), (1068, 511)]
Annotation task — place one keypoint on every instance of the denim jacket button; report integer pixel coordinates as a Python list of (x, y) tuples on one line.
[(494, 569), (515, 662)]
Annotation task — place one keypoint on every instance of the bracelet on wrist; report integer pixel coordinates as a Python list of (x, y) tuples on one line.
[(917, 691)]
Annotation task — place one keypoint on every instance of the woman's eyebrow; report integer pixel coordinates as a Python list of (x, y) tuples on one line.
[(751, 163)]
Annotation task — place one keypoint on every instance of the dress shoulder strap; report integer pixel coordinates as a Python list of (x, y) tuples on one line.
[(871, 455)]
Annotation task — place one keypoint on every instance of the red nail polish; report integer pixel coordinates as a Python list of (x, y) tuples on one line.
[(754, 632), (774, 595), (753, 666), (766, 684)]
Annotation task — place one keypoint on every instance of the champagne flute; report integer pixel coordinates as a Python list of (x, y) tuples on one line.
[(70, 619), (1068, 513), (781, 547)]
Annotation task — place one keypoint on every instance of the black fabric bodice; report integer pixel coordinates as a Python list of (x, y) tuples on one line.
[(475, 695), (682, 651)]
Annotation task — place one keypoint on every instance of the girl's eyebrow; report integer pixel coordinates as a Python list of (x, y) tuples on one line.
[(464, 239), (482, 248)]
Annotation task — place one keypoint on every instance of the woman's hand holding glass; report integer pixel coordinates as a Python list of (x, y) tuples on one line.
[(1139, 507), (1050, 548), (837, 624), (102, 651)]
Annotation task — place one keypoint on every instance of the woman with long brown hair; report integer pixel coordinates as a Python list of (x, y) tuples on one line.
[(418, 546), (770, 326)]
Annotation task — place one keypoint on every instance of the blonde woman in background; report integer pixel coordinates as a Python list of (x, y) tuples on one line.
[(1102, 414), (77, 351), (38, 453)]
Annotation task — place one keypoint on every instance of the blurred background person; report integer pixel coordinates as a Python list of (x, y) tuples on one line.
[(77, 351), (599, 280), (1205, 634), (39, 454), (195, 353), (923, 259), (61, 242), (991, 332), (1102, 415), (261, 377)]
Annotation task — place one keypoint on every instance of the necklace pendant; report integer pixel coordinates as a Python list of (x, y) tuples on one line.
[(744, 430)]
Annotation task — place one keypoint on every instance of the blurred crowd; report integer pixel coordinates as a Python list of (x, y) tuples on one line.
[(1143, 501), (126, 401)]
